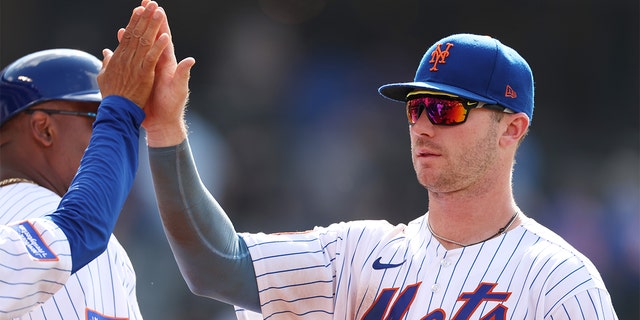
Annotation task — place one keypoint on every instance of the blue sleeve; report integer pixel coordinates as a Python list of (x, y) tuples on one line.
[(89, 210), (213, 258)]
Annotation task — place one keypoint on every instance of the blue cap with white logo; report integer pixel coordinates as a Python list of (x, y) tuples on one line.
[(474, 67)]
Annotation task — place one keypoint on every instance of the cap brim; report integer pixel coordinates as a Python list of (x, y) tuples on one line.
[(399, 91)]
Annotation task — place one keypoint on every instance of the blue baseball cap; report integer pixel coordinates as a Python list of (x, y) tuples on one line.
[(474, 67), (53, 74)]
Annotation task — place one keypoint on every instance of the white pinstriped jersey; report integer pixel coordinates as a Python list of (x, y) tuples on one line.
[(103, 289), (37, 273), (373, 270)]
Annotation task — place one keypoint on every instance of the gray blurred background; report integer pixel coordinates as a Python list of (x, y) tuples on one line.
[(289, 131)]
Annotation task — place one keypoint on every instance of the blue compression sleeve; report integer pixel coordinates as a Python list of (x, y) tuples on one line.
[(89, 210), (213, 259)]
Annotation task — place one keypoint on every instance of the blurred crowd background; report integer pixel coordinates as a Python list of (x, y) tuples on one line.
[(289, 132)]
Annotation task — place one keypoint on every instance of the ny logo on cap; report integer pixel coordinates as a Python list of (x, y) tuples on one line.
[(439, 56)]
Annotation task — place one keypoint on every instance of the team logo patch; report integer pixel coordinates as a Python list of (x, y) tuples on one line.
[(36, 247), (439, 56), (95, 315)]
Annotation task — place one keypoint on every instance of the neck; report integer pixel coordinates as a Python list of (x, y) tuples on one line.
[(21, 157), (11, 175), (468, 217), (449, 243)]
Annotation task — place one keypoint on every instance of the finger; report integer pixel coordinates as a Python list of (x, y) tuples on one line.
[(120, 34), (107, 54), (121, 30), (183, 70), (152, 28), (164, 28), (168, 55), (154, 53), (127, 34), (169, 52), (144, 3), (140, 28), (132, 35)]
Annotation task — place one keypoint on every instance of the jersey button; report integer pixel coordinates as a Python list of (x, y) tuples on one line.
[(435, 287), (445, 263)]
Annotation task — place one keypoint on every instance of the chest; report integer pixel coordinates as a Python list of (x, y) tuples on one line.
[(424, 281)]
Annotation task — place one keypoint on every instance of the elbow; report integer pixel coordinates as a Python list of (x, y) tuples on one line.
[(233, 287), (198, 288), (201, 282)]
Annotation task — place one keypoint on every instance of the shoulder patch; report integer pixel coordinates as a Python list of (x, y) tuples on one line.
[(36, 246)]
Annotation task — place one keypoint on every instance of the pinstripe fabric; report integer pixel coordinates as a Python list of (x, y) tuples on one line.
[(328, 273), (25, 282), (105, 286)]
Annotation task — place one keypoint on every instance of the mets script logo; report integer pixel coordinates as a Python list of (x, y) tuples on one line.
[(439, 56), (384, 309)]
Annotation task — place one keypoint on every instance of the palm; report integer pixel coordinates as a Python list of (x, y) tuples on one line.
[(166, 93), (170, 92)]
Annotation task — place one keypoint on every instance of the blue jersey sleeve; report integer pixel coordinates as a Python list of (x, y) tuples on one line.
[(89, 210)]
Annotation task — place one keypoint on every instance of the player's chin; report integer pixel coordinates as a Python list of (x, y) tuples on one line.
[(434, 183), (425, 180)]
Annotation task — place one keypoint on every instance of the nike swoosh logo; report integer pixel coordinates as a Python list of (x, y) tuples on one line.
[(379, 265)]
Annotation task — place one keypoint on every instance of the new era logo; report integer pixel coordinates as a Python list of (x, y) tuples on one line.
[(510, 93)]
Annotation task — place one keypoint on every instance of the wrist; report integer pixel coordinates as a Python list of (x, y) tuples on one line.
[(166, 135)]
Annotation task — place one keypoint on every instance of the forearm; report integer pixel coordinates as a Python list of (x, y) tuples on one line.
[(89, 210), (213, 259)]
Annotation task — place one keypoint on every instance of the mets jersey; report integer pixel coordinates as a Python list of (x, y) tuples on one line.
[(103, 289), (374, 270), (33, 249)]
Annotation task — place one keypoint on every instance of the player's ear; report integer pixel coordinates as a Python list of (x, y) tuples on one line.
[(517, 125), (41, 128)]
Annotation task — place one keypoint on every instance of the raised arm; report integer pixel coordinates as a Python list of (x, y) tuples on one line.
[(51, 248), (108, 167), (213, 259)]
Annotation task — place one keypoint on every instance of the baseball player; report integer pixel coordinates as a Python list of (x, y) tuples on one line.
[(473, 255), (53, 261)]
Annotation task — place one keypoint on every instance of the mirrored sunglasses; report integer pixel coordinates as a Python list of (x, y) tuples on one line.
[(445, 110)]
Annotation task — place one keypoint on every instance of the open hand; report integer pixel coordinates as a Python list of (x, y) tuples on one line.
[(130, 70)]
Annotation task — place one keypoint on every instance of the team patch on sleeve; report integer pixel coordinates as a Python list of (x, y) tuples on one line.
[(36, 247), (94, 315)]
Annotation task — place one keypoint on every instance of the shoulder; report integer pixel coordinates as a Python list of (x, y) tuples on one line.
[(550, 253), (357, 232), (26, 200), (363, 231)]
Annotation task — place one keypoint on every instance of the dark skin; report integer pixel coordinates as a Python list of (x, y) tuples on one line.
[(47, 148)]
